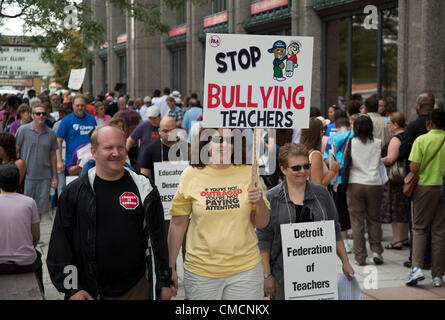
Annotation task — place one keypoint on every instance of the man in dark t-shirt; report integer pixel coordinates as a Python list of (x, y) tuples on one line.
[(147, 132), (104, 233), (120, 239), (158, 150)]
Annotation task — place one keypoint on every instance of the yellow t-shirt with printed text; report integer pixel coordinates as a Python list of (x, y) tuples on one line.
[(221, 239)]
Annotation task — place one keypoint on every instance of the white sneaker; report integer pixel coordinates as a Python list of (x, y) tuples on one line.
[(377, 258), (348, 248), (415, 276), (437, 281)]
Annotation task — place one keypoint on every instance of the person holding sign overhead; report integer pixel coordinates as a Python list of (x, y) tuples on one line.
[(222, 260), (292, 201)]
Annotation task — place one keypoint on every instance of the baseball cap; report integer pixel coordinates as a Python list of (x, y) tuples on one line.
[(153, 112), (277, 44), (147, 99), (176, 94)]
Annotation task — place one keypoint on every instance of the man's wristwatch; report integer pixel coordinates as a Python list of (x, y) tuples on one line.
[(267, 275)]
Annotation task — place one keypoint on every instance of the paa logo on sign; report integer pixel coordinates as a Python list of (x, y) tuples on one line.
[(214, 41)]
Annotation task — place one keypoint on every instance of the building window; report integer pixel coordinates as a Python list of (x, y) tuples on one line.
[(179, 69), (105, 75), (360, 60), (122, 63), (181, 15), (90, 78), (219, 6)]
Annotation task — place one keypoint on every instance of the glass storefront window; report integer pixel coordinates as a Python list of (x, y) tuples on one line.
[(360, 60), (364, 58), (389, 59)]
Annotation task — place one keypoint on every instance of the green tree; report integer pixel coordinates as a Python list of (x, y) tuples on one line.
[(51, 20)]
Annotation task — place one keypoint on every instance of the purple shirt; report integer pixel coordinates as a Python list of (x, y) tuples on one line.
[(14, 126), (17, 214)]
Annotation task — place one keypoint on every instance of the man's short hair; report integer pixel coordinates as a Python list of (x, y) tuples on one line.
[(342, 122), (171, 99), (94, 136), (372, 104), (167, 91), (9, 177), (80, 96), (39, 105)]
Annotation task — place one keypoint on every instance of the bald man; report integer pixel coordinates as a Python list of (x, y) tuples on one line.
[(117, 220), (158, 150)]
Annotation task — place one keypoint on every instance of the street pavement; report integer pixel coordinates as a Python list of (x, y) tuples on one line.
[(383, 282)]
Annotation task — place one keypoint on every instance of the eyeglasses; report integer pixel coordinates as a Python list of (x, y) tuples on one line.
[(219, 139), (40, 114), (297, 168), (166, 130)]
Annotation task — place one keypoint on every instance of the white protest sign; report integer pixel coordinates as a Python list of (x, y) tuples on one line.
[(256, 81), (309, 257), (167, 175), (76, 78)]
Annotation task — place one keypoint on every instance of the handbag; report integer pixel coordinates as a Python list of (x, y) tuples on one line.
[(396, 173), (412, 178)]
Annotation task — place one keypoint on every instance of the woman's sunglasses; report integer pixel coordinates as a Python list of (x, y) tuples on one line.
[(40, 114), (297, 168), (219, 139)]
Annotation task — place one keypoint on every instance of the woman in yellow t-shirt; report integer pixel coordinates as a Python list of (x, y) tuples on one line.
[(215, 197)]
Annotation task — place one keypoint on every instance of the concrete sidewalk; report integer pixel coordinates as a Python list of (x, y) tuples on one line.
[(384, 282)]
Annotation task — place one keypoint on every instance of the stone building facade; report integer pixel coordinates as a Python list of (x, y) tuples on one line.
[(392, 48)]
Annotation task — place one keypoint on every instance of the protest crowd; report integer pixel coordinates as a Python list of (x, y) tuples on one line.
[(94, 157)]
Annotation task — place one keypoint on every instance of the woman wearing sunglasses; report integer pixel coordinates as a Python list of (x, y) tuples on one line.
[(216, 201), (302, 201)]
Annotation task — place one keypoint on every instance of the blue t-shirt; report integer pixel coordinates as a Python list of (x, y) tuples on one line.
[(340, 140), (330, 130), (74, 131), (192, 115)]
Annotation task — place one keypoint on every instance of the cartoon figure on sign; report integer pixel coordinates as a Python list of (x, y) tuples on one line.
[(279, 51), (291, 63)]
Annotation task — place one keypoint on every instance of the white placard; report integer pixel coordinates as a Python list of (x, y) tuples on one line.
[(167, 175), (309, 257), (256, 81), (23, 62), (76, 78)]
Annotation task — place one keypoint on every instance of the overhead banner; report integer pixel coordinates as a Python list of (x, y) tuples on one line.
[(167, 175), (76, 78), (309, 258), (255, 81)]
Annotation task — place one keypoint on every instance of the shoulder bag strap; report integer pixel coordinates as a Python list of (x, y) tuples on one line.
[(435, 154)]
